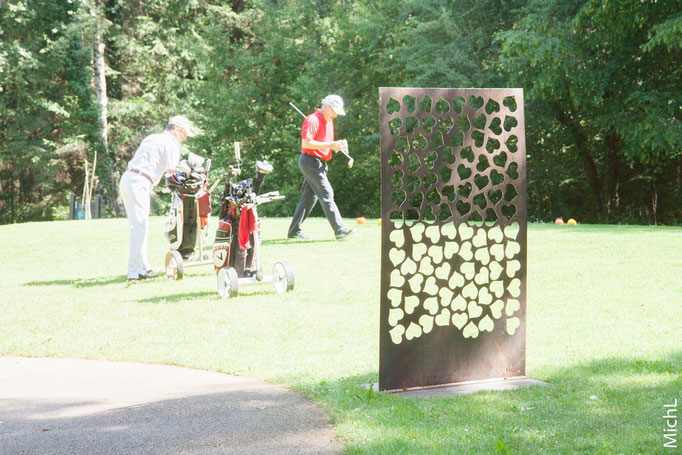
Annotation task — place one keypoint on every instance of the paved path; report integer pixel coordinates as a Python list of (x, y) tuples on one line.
[(69, 406)]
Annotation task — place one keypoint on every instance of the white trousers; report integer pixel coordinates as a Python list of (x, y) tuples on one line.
[(135, 190)]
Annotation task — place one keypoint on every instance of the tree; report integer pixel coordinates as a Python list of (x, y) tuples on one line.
[(596, 96)]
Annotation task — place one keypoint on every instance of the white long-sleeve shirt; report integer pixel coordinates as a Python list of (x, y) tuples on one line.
[(156, 153)]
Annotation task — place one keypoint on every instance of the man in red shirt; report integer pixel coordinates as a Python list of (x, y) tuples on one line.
[(317, 144)]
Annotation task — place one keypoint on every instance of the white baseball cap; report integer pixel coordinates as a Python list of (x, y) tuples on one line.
[(335, 102), (182, 122)]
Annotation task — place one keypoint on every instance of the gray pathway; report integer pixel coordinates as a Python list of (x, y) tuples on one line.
[(70, 406)]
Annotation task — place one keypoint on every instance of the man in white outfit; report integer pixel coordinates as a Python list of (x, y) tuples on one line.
[(158, 154)]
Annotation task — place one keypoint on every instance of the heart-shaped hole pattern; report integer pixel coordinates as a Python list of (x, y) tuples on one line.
[(454, 253)]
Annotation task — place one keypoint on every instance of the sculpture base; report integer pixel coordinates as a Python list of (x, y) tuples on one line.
[(463, 388)]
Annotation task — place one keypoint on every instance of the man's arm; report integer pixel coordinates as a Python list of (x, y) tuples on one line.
[(317, 145)]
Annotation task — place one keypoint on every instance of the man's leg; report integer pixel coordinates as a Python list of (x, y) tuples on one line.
[(315, 173), (135, 194), (304, 207)]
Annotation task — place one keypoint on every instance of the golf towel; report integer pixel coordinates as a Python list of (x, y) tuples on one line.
[(247, 224)]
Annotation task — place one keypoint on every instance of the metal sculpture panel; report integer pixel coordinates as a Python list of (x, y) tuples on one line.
[(453, 270)]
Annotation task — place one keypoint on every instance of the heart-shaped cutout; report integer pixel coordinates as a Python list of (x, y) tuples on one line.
[(470, 331), (431, 305), (416, 231), (396, 256), (512, 249), (512, 325), (436, 253), (431, 287), (397, 280), (496, 309), (484, 297), (397, 334), (416, 283), (443, 318), (465, 251), (394, 316), (497, 251), (514, 287), (459, 319), (456, 281), (480, 238), (470, 291), (426, 322), (443, 271), (459, 304), (409, 267), (495, 234), (395, 296), (451, 248), (512, 231), (445, 296), (513, 306), (413, 331), (482, 277), (495, 270), (468, 269), (449, 230), (411, 303), (433, 233), (486, 324), (425, 266), (465, 231), (482, 256), (497, 288), (513, 267), (418, 250), (397, 237), (474, 310)]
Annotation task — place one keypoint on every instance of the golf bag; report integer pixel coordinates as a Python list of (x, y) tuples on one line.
[(237, 240), (190, 206)]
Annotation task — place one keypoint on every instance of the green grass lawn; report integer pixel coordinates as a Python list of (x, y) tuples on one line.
[(604, 330)]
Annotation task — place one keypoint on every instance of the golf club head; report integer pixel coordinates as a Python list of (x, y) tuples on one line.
[(195, 160), (263, 167)]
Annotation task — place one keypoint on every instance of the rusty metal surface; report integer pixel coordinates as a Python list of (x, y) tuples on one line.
[(453, 268)]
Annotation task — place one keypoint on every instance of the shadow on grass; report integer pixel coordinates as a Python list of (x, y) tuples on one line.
[(606, 406), (244, 293), (295, 242), (175, 298), (81, 283)]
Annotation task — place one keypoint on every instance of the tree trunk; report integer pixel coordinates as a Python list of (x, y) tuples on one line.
[(581, 143), (101, 89)]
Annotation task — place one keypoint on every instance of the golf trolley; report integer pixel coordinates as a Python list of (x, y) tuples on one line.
[(236, 249), (187, 224)]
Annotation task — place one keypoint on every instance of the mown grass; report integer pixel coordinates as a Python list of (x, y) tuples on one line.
[(604, 326)]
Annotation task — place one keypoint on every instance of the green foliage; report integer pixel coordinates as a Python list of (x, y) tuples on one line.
[(604, 110), (47, 113), (601, 79)]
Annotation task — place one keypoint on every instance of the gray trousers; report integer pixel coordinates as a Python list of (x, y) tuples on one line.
[(315, 186)]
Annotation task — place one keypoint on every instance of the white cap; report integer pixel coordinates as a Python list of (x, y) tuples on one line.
[(335, 102), (181, 121)]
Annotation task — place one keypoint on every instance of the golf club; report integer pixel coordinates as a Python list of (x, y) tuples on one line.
[(344, 150)]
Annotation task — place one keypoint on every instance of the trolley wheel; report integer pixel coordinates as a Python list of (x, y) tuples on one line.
[(174, 268), (259, 274), (283, 277), (228, 282)]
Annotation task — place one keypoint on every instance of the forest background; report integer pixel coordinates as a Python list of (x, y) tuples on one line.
[(84, 81)]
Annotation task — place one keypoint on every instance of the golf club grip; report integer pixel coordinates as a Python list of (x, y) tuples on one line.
[(257, 184)]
